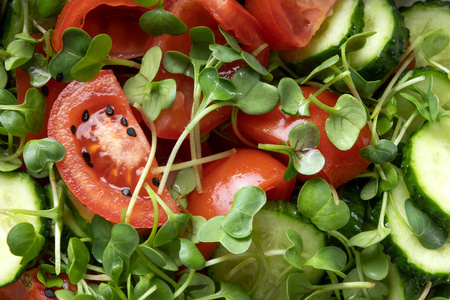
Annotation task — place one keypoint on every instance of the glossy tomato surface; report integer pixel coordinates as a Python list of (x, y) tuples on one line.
[(117, 18), (340, 166), (224, 177), (289, 24), (28, 287), (232, 17), (106, 150)]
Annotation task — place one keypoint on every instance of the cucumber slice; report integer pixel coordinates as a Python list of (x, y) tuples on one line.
[(270, 225), (382, 51), (346, 20), (423, 17), (400, 285), (426, 166), (405, 249), (19, 191), (441, 87)]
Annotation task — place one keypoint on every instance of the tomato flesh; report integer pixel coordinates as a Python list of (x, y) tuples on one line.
[(117, 18), (273, 127), (289, 24), (106, 150)]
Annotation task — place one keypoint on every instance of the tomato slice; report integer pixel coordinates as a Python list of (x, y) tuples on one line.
[(233, 18), (289, 24), (117, 18), (106, 150), (28, 287), (272, 128), (224, 177)]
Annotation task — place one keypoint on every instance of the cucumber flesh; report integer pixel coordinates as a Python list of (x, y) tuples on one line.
[(423, 17), (270, 225), (405, 249), (346, 20), (426, 167), (18, 191), (382, 51)]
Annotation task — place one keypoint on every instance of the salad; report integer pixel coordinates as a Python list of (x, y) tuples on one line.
[(212, 149)]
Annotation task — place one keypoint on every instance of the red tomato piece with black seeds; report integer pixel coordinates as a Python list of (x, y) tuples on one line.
[(273, 127), (104, 158)]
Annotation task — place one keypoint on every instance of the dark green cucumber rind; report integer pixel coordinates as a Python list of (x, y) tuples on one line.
[(401, 285), (11, 24), (420, 11), (81, 214), (351, 196), (267, 223), (389, 57), (29, 183), (310, 57), (412, 179), (405, 249)]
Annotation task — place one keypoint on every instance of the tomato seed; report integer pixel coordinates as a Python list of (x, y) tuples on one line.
[(44, 90), (124, 122), (131, 132), (85, 116), (49, 293), (155, 181), (73, 128), (86, 156), (59, 76), (126, 192), (109, 110)]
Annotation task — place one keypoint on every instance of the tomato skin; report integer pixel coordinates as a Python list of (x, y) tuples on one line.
[(117, 158), (210, 13), (28, 287), (272, 128), (224, 177), (289, 24), (118, 18)]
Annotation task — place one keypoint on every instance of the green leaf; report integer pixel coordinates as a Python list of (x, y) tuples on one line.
[(184, 183), (329, 258), (37, 68), (14, 123), (304, 138), (34, 109), (430, 235), (382, 152), (23, 240), (157, 22), (146, 3), (368, 238), (19, 52), (375, 264), (212, 231), (297, 285), (293, 253), (253, 96), (365, 88), (135, 87), (94, 60), (202, 37), (158, 257), (190, 256), (78, 258), (231, 41), (316, 202), (8, 165), (173, 226), (117, 254), (7, 98), (357, 41), (323, 66), (379, 292), (254, 63), (102, 233), (291, 97), (178, 63), (161, 96), (343, 126), (247, 201), (3, 77), (370, 189), (38, 154), (230, 291), (224, 53), (215, 88), (50, 8), (391, 180), (200, 285), (434, 43), (75, 45)]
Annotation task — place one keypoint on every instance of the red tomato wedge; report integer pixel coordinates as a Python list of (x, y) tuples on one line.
[(28, 287), (106, 150), (289, 24), (224, 177), (117, 18), (272, 128), (232, 17)]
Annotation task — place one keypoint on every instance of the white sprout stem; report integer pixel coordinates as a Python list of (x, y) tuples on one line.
[(196, 162)]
